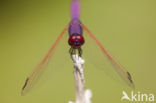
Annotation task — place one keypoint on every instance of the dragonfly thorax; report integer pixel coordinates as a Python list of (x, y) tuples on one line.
[(75, 27)]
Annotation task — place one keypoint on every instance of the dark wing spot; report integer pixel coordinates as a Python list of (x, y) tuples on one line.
[(129, 77), (26, 81)]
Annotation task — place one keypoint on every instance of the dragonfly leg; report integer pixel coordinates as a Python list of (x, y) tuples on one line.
[(80, 51), (72, 51)]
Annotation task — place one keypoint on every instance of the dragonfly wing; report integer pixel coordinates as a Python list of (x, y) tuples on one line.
[(123, 73), (48, 61)]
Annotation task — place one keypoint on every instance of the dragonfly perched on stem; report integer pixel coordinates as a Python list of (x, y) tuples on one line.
[(78, 41)]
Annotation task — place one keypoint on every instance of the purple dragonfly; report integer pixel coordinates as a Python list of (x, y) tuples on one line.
[(76, 40)]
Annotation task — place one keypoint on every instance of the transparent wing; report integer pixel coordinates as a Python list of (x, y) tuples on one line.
[(98, 56), (55, 57)]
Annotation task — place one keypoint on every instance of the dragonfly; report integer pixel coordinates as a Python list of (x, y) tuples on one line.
[(76, 33)]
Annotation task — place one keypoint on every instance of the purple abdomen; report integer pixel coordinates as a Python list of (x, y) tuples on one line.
[(75, 27), (75, 9)]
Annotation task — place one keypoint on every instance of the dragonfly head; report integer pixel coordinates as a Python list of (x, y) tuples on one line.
[(76, 40)]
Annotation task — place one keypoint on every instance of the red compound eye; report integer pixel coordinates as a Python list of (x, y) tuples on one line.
[(76, 41)]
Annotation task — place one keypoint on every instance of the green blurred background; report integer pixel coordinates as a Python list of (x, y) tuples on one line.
[(29, 27)]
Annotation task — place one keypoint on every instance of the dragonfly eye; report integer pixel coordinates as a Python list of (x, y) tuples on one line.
[(76, 41)]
